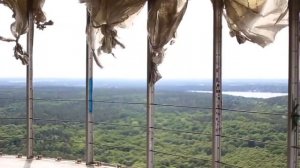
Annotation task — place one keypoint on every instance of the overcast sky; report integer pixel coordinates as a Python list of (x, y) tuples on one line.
[(59, 50)]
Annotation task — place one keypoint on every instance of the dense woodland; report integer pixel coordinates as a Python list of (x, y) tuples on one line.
[(183, 132)]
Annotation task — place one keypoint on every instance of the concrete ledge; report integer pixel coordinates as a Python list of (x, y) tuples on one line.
[(7, 161)]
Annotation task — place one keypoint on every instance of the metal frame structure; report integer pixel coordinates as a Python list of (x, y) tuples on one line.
[(293, 98), (150, 101), (89, 104), (217, 83), (29, 84), (293, 90)]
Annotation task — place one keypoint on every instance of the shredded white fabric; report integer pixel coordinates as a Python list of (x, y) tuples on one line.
[(105, 16), (257, 21), (164, 19), (19, 27)]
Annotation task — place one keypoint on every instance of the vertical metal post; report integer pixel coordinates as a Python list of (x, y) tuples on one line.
[(293, 98), (217, 83), (150, 107), (29, 83), (89, 103)]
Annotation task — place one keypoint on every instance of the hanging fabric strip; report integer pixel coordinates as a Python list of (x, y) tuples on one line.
[(257, 21), (20, 25), (164, 19), (106, 16)]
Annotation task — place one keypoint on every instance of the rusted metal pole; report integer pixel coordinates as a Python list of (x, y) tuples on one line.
[(29, 83), (150, 101), (217, 83), (293, 98), (89, 103)]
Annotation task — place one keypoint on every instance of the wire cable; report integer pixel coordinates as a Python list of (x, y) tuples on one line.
[(144, 127), (2, 98), (12, 137), (123, 125), (60, 100), (181, 131), (296, 147), (155, 104), (120, 147), (251, 112), (57, 140), (182, 106), (56, 120), (194, 158), (78, 121), (13, 118), (182, 156), (246, 139)]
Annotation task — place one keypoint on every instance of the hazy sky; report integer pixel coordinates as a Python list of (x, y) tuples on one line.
[(59, 50)]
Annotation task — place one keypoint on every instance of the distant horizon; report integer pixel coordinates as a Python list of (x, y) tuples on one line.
[(245, 85), (140, 79), (184, 79)]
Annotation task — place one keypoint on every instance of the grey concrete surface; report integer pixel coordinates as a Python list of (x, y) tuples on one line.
[(14, 162)]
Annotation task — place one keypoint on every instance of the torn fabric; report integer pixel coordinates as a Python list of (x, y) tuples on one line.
[(257, 21), (163, 20), (20, 25), (105, 16)]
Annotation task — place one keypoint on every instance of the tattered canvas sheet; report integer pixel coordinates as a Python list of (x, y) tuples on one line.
[(257, 21), (20, 25), (105, 16), (164, 19), (19, 8)]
